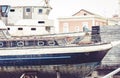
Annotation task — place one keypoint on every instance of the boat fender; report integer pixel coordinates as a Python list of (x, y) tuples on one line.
[(40, 43), (1, 44), (20, 44), (51, 43), (26, 76)]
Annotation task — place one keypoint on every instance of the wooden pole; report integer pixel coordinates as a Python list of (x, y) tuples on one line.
[(58, 74)]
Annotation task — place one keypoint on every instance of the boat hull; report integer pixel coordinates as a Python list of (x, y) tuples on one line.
[(50, 71), (52, 59), (77, 61)]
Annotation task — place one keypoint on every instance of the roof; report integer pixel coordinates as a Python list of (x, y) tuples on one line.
[(84, 12), (22, 2)]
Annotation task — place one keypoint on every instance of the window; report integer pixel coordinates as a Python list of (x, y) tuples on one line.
[(47, 12), (4, 10), (41, 21), (85, 14), (40, 11), (27, 9), (33, 28), (77, 28), (65, 27), (20, 28), (12, 10), (8, 28), (47, 29)]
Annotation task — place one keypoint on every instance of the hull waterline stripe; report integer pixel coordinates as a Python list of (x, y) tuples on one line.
[(35, 58)]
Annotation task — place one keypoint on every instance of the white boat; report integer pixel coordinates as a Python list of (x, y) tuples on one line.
[(27, 40)]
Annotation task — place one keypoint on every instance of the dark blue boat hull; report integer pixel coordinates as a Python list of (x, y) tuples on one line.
[(52, 59)]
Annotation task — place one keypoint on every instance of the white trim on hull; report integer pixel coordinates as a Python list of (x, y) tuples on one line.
[(55, 50)]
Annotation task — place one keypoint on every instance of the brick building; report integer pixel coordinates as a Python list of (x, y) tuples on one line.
[(80, 20)]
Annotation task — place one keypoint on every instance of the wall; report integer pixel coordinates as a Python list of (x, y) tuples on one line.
[(37, 15), (15, 32), (78, 21), (13, 17), (111, 33), (18, 15)]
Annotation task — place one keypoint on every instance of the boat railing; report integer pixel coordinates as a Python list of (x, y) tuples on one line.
[(59, 41)]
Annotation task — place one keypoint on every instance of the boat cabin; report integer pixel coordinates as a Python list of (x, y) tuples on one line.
[(26, 20)]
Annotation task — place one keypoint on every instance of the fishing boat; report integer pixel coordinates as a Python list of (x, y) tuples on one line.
[(27, 42)]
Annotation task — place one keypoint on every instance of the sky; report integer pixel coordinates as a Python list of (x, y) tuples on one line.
[(62, 8)]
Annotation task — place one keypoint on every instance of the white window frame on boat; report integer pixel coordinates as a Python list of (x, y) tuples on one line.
[(40, 11), (28, 10)]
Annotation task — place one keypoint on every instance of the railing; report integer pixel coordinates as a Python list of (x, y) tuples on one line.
[(112, 73)]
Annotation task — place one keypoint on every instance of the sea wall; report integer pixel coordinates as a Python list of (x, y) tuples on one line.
[(111, 33)]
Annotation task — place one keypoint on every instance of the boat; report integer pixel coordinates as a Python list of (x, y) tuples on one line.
[(27, 42)]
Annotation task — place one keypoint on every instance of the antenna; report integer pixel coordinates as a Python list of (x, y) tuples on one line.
[(47, 3)]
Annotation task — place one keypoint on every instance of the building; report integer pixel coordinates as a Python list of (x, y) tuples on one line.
[(80, 20), (114, 20)]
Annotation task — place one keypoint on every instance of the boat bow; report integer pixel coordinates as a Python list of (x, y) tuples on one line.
[(115, 43)]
